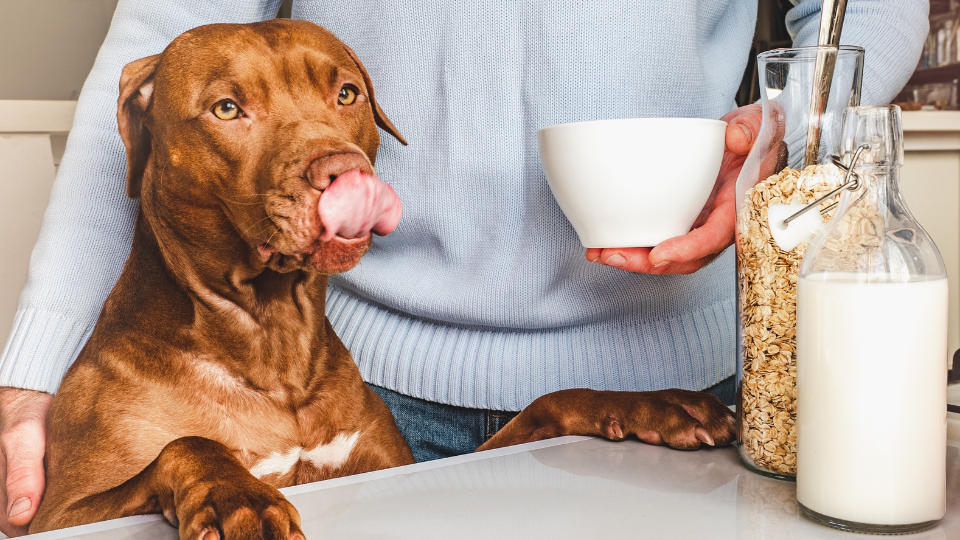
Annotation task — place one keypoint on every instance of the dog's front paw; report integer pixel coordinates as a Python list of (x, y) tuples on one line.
[(679, 418), (676, 418), (232, 510)]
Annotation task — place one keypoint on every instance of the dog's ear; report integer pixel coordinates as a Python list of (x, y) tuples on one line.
[(136, 96), (378, 113)]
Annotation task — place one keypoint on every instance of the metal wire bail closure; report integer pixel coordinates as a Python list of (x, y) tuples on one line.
[(851, 181)]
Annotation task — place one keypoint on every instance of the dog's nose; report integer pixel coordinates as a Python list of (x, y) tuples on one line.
[(326, 169)]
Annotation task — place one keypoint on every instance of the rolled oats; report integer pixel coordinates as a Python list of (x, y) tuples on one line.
[(767, 277)]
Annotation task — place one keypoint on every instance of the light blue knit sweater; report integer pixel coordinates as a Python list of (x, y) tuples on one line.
[(482, 296)]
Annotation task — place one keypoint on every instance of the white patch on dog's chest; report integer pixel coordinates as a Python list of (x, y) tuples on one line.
[(333, 454)]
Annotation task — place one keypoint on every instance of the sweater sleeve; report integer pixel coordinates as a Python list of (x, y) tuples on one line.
[(892, 33), (88, 224)]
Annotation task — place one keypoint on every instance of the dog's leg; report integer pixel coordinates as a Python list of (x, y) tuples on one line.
[(201, 488), (678, 418)]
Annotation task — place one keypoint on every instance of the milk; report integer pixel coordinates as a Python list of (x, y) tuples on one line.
[(871, 402)]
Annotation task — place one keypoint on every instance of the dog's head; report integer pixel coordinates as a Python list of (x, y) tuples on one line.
[(241, 130)]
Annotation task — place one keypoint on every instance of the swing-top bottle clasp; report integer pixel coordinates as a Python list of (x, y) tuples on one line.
[(851, 181)]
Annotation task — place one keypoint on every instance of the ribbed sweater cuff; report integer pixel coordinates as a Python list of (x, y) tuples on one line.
[(41, 347)]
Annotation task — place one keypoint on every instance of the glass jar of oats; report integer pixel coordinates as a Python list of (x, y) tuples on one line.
[(776, 180)]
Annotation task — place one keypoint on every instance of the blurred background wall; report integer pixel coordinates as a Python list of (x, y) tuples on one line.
[(47, 47)]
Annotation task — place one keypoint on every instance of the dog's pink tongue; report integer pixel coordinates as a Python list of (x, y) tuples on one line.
[(356, 204)]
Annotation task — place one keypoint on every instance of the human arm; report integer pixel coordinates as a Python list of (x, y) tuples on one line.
[(892, 32)]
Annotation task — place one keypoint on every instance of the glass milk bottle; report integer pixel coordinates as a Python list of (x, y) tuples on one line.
[(776, 180), (872, 350)]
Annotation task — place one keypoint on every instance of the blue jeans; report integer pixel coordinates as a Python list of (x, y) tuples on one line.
[(434, 430)]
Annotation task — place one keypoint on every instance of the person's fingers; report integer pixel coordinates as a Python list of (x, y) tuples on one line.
[(702, 244), (23, 416), (709, 240), (753, 108), (739, 138), (630, 259), (5, 526), (638, 260), (743, 126), (679, 255), (23, 449)]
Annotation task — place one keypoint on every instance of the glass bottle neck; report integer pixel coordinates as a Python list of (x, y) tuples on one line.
[(880, 187)]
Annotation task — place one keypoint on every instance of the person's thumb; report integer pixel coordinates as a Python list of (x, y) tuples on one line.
[(24, 448), (743, 126)]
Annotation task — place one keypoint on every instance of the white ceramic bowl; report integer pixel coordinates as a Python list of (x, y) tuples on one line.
[(632, 182)]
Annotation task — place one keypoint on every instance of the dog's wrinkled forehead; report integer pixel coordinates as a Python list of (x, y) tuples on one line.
[(247, 90), (252, 65)]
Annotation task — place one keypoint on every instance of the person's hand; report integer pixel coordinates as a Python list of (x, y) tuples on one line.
[(23, 419), (713, 231)]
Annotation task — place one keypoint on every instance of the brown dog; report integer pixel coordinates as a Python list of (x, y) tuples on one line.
[(213, 376)]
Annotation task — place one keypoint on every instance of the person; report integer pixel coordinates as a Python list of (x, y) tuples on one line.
[(482, 299)]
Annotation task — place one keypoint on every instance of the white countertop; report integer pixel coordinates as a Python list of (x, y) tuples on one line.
[(572, 487)]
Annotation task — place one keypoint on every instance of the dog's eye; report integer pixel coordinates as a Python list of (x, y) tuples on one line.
[(226, 110), (347, 96)]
